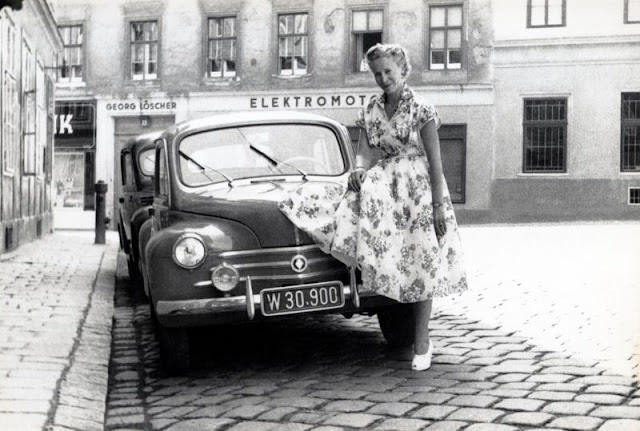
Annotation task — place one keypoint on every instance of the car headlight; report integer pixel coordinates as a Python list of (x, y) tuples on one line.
[(225, 277), (189, 250)]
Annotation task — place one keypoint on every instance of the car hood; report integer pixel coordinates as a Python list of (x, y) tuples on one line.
[(255, 206)]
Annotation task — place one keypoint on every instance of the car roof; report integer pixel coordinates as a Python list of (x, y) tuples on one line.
[(250, 117)]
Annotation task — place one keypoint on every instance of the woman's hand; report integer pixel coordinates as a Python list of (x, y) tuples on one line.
[(439, 222), (356, 178)]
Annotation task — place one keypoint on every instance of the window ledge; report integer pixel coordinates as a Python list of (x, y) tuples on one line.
[(221, 82), (542, 174), (630, 173), (292, 77), (66, 84)]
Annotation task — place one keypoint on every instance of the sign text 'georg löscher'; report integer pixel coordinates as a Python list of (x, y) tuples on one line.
[(319, 101)]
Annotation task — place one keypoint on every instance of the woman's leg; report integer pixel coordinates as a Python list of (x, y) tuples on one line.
[(422, 312)]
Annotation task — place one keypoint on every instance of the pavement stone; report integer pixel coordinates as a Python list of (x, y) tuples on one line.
[(581, 423), (55, 350)]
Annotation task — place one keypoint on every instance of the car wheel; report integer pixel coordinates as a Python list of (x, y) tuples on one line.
[(174, 347), (397, 324)]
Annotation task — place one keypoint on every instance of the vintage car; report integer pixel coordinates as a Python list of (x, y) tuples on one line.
[(221, 251), (136, 171)]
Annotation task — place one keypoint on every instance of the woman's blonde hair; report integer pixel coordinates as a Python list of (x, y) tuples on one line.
[(395, 52)]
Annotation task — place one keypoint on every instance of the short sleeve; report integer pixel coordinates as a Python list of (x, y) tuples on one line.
[(426, 113)]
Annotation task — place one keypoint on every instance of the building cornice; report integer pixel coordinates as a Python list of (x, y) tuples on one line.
[(45, 14)]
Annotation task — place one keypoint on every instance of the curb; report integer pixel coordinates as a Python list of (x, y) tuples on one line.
[(80, 403)]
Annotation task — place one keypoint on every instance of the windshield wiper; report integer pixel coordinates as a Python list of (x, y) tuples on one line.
[(275, 162), (205, 168)]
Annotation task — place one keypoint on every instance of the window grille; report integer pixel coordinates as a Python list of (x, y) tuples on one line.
[(630, 132), (293, 41), (222, 47), (144, 50), (546, 13), (445, 37), (366, 28), (545, 135)]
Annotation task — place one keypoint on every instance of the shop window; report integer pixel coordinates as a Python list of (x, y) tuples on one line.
[(293, 44), (546, 13), (545, 135), (630, 132), (366, 30), (632, 11), (453, 148), (634, 196), (445, 37), (144, 50), (222, 47), (10, 107), (71, 69)]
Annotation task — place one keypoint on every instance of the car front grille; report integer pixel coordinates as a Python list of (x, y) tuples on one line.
[(273, 267)]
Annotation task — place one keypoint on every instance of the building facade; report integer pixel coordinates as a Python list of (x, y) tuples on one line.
[(29, 47), (518, 84), (567, 96)]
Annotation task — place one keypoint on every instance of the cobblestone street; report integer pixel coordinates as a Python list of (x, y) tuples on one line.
[(502, 361)]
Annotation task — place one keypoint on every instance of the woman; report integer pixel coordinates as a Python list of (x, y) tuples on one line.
[(396, 223)]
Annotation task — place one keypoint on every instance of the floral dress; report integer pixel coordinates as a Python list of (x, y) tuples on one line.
[(387, 229)]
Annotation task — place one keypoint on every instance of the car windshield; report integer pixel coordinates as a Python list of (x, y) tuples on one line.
[(257, 151), (146, 161)]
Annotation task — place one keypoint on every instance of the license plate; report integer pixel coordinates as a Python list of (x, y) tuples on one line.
[(301, 298)]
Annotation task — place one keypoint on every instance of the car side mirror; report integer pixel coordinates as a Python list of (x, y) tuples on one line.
[(151, 212)]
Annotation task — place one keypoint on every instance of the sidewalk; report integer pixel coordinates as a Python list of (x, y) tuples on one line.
[(56, 308)]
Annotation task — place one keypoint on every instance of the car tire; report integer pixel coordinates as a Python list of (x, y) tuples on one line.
[(397, 324), (174, 346)]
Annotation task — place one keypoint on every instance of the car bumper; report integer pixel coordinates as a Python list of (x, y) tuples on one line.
[(212, 311)]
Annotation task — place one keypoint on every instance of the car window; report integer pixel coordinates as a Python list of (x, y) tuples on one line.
[(127, 173), (257, 151), (146, 161)]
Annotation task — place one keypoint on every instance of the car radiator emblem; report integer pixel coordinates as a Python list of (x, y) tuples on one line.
[(299, 263)]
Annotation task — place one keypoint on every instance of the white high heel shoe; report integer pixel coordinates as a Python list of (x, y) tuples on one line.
[(423, 362)]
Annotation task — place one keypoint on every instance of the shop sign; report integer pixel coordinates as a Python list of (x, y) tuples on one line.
[(141, 105), (312, 101), (75, 124)]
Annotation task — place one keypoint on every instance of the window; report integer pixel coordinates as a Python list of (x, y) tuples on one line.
[(546, 13), (71, 69), (162, 182), (144, 50), (632, 11), (445, 37), (293, 41), (366, 27), (630, 136), (10, 98), (28, 111), (545, 135), (222, 48)]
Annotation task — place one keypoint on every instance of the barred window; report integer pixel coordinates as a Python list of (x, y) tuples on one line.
[(366, 28), (144, 50), (545, 135), (71, 69), (632, 11), (630, 136), (10, 100), (445, 37), (293, 41), (546, 13), (222, 47)]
